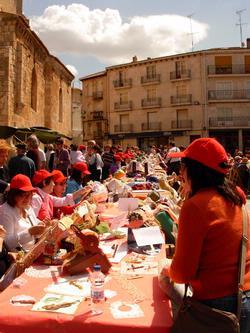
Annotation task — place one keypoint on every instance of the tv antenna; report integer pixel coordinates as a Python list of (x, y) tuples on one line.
[(240, 24), (191, 30)]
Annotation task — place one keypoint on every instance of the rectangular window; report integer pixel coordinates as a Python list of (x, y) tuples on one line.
[(182, 114), (224, 89), (224, 113), (151, 72), (181, 90), (223, 64), (248, 89), (180, 68), (121, 76), (124, 119), (123, 98), (151, 94), (151, 116), (247, 64)]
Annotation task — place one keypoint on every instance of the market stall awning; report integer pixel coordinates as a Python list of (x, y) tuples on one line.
[(44, 134)]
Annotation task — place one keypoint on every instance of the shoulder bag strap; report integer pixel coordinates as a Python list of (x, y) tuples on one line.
[(242, 261)]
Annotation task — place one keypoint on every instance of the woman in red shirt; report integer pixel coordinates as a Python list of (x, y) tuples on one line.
[(210, 231)]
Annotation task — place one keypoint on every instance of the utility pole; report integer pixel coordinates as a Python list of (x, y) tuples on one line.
[(240, 24), (191, 31)]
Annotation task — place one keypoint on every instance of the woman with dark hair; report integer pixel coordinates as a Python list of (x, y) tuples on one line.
[(75, 182), (210, 231), (17, 217)]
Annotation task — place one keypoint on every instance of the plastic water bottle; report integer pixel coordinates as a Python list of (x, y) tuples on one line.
[(97, 279)]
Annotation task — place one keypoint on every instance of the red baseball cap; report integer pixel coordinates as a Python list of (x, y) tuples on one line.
[(207, 151), (58, 176), (21, 182), (126, 156), (82, 147), (117, 157), (82, 167), (40, 176)]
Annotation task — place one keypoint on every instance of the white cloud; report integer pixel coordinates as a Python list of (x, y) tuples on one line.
[(72, 69), (103, 34)]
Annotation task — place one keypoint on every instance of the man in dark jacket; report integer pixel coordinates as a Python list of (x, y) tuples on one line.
[(21, 163)]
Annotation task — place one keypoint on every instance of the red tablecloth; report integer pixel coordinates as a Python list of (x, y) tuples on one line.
[(156, 308)]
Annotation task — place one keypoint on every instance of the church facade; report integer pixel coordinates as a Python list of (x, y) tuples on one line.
[(35, 87)]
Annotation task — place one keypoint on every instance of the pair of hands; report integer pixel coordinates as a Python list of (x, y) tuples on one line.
[(39, 229)]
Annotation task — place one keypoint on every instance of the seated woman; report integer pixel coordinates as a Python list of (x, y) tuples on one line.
[(210, 231), (59, 189), (17, 217), (43, 202), (79, 172)]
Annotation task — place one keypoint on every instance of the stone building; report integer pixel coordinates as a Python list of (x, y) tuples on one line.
[(35, 87), (179, 97)]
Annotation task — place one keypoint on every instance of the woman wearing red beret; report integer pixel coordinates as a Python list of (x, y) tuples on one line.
[(17, 216), (210, 231)]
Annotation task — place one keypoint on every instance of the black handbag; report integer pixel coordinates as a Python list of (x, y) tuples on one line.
[(195, 317)]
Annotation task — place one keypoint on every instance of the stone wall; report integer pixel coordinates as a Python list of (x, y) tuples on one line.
[(32, 82), (11, 6)]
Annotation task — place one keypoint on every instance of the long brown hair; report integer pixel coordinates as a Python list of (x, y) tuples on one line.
[(203, 177)]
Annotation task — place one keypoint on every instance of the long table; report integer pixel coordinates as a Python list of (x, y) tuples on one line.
[(156, 308)]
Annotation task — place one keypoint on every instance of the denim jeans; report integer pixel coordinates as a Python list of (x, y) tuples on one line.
[(229, 304)]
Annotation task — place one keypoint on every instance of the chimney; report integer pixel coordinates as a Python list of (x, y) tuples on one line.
[(134, 58), (248, 43)]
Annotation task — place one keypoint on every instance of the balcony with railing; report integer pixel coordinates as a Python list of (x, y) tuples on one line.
[(182, 124), (224, 122), (97, 115), (180, 75), (151, 102), (97, 95), (123, 128), (149, 79), (123, 106), (229, 95), (154, 126), (126, 83), (181, 99), (239, 69)]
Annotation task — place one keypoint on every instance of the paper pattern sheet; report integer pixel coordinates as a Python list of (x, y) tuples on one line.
[(148, 236), (58, 303), (71, 287)]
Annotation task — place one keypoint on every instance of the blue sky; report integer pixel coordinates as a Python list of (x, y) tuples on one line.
[(89, 37)]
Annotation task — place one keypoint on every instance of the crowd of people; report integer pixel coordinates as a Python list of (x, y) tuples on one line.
[(37, 186), (101, 162)]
